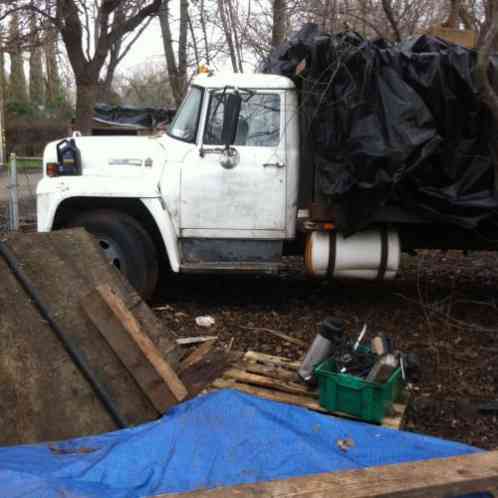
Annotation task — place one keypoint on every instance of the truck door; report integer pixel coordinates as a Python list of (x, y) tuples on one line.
[(248, 201)]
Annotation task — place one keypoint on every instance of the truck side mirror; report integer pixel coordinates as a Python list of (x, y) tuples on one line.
[(233, 102)]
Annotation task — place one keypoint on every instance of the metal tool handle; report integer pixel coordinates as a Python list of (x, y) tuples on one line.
[(274, 165)]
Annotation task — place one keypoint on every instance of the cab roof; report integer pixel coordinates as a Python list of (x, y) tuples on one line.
[(243, 80)]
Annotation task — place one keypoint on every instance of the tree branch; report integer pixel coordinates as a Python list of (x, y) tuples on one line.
[(133, 40), (133, 22), (489, 94), (388, 11)]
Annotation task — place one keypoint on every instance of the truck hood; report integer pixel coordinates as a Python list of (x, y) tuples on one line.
[(120, 157)]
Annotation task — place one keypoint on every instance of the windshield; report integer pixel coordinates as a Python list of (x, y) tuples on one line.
[(184, 125), (258, 125)]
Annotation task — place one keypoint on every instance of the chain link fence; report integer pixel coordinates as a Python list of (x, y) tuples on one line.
[(18, 180)]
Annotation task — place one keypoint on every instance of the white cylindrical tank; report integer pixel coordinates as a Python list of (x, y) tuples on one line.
[(369, 255)]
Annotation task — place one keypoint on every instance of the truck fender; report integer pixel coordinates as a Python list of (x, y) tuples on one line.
[(165, 225)]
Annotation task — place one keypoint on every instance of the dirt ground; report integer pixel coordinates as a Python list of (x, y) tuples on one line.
[(443, 306)]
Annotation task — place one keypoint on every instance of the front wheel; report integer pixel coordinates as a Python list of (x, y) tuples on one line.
[(126, 244)]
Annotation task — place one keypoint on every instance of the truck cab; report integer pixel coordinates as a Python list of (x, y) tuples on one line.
[(190, 197)]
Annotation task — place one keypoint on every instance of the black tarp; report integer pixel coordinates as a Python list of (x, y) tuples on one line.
[(142, 117), (393, 124)]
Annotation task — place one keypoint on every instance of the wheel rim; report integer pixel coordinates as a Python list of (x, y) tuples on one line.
[(112, 252)]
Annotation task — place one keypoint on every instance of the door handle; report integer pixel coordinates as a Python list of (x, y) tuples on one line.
[(274, 165)]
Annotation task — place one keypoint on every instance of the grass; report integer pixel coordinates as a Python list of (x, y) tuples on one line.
[(28, 163)]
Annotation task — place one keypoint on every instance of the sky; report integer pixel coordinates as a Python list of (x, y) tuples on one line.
[(148, 49)]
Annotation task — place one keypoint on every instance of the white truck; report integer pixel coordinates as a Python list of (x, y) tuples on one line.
[(223, 190)]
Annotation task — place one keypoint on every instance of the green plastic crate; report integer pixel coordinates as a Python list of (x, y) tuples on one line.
[(368, 401)]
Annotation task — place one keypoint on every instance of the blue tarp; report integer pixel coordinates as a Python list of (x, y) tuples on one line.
[(224, 438)]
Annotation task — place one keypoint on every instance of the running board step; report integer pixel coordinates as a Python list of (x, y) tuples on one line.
[(231, 266)]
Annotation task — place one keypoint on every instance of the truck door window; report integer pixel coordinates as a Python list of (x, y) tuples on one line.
[(259, 121), (186, 120)]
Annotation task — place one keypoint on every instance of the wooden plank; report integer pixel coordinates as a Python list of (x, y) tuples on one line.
[(185, 341), (202, 374), (280, 335), (152, 354), (292, 399), (125, 348), (196, 356), (268, 359), (396, 420), (271, 383), (436, 478), (268, 370)]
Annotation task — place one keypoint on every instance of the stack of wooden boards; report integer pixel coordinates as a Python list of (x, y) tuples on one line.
[(275, 378), (44, 395)]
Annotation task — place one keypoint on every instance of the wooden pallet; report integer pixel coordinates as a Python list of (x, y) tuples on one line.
[(275, 378)]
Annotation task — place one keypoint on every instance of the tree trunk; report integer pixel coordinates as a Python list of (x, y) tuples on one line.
[(228, 35), (388, 11), (194, 41), (3, 74), (182, 43), (454, 15), (278, 33), (488, 80), (487, 26), (54, 89), (236, 40), (204, 32), (86, 98), (36, 83), (489, 93), (175, 78), (17, 85)]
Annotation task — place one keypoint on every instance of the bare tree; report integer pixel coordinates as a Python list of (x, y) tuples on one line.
[(454, 15), (229, 29), (119, 50), (17, 83), (3, 74), (36, 83), (279, 23), (87, 54), (202, 20), (488, 42), (176, 63), (146, 85), (53, 82), (388, 11)]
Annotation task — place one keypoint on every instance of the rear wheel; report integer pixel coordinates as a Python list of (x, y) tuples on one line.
[(126, 244)]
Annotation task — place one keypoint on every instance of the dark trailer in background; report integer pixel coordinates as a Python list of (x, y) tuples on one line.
[(130, 120)]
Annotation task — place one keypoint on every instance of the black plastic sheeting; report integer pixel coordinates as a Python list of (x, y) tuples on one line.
[(147, 117), (395, 125)]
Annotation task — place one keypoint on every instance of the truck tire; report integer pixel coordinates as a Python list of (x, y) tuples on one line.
[(126, 244)]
